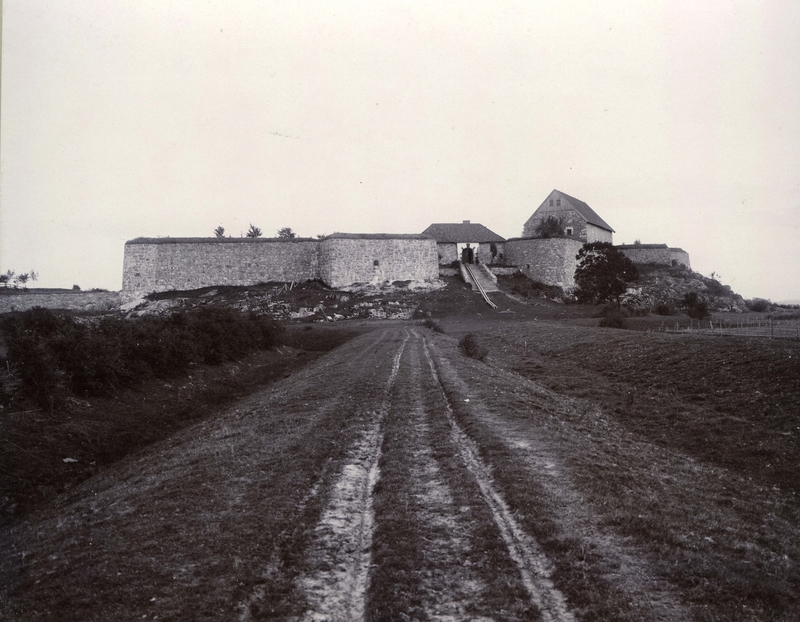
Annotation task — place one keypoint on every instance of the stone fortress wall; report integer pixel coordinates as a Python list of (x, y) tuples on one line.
[(659, 254), (547, 260), (22, 300), (344, 260), (162, 264)]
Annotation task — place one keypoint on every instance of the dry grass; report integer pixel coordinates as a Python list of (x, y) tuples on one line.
[(703, 505)]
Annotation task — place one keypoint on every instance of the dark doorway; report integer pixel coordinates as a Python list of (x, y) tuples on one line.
[(467, 255)]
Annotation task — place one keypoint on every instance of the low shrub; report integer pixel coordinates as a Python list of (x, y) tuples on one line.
[(433, 325), (759, 305), (469, 346), (696, 307), (664, 308), (614, 319), (55, 355)]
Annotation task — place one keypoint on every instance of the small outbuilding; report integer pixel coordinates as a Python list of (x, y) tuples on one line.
[(469, 242)]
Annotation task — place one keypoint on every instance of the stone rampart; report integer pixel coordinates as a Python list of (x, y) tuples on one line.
[(345, 259), (548, 260), (70, 300), (161, 264), (659, 254)]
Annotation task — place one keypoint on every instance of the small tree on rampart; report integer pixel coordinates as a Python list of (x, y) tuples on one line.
[(253, 231), (286, 233), (550, 227), (220, 231)]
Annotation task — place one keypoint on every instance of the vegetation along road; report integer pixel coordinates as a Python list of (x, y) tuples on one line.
[(397, 479)]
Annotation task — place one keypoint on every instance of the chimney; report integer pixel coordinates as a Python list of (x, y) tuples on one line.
[(466, 222)]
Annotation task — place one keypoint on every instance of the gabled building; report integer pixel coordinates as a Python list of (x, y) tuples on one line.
[(466, 241), (577, 219)]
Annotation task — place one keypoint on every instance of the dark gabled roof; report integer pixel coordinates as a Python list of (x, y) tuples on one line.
[(453, 232), (587, 212), (377, 236), (169, 240)]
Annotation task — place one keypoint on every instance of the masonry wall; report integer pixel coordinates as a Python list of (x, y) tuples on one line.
[(344, 261), (570, 219), (448, 253), (597, 234), (162, 264), (74, 301), (547, 260), (655, 254)]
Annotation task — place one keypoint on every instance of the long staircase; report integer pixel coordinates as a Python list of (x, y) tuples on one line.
[(477, 277)]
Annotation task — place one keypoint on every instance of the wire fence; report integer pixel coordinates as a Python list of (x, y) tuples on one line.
[(745, 326)]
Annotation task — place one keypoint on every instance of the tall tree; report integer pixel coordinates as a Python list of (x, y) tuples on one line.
[(603, 273), (220, 231), (253, 231), (286, 232)]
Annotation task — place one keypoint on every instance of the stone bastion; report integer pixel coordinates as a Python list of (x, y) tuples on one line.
[(341, 259)]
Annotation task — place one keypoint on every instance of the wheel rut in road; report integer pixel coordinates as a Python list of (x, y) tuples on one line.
[(534, 567), (509, 410), (339, 558), (436, 502)]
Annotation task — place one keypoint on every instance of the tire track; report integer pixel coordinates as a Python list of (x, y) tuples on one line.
[(423, 547), (339, 558), (534, 567)]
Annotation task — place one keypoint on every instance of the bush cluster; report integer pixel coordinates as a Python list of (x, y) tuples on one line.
[(696, 307), (664, 308), (759, 305), (433, 325), (55, 355), (614, 317), (469, 346)]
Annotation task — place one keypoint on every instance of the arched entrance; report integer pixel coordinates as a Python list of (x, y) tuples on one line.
[(468, 255)]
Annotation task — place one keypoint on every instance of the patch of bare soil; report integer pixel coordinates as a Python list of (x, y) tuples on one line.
[(339, 557)]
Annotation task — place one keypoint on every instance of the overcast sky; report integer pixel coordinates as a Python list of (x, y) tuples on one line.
[(678, 122)]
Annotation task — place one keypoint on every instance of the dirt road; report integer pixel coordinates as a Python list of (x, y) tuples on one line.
[(392, 480)]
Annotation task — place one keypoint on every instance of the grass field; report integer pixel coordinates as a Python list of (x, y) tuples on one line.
[(576, 473)]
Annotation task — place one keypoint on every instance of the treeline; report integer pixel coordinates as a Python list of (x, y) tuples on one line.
[(54, 355)]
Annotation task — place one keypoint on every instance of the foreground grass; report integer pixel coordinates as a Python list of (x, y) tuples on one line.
[(588, 478), (212, 523), (45, 452)]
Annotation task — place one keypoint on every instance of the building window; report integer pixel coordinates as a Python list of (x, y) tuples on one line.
[(376, 263), (569, 230), (551, 202), (558, 201)]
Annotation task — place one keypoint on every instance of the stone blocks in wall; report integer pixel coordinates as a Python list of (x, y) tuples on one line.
[(448, 253), (548, 260), (345, 259), (597, 234), (659, 254), (162, 264), (70, 300)]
